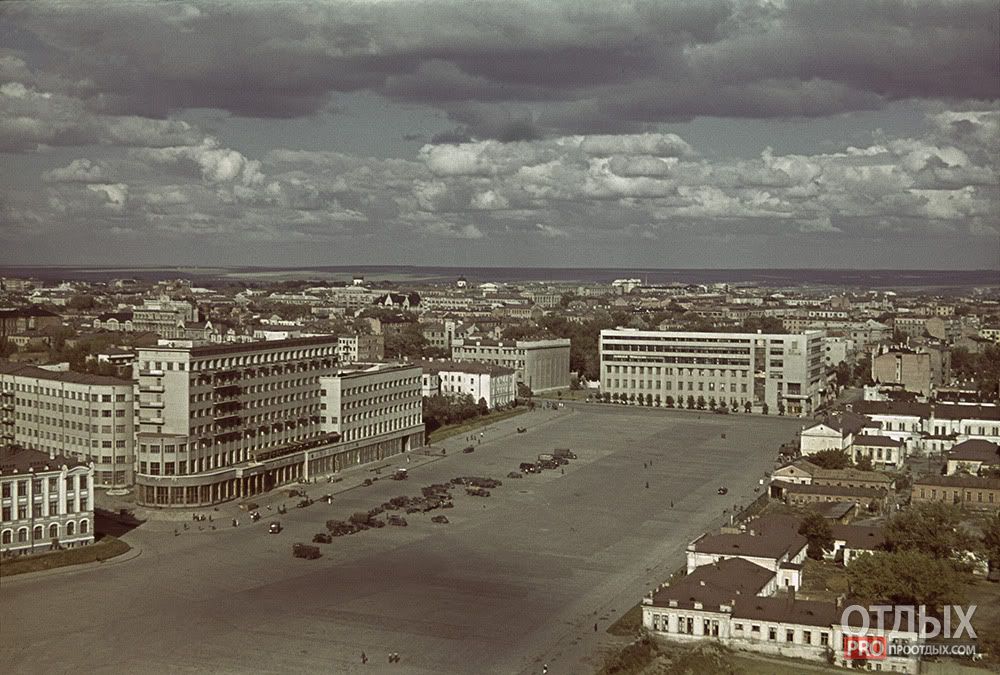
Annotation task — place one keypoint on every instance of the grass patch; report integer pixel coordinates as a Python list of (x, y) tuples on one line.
[(822, 580), (450, 430), (107, 547)]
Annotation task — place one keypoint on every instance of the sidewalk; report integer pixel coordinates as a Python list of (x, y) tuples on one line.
[(134, 552)]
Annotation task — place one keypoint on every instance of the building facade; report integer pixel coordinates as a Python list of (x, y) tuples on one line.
[(46, 501), (360, 348), (783, 372), (225, 422), (495, 385), (540, 365), (87, 417)]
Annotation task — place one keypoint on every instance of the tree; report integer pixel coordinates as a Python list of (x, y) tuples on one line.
[(864, 463), (484, 408), (649, 399), (669, 401), (82, 302), (763, 409), (932, 528), (711, 403), (830, 458), (816, 529), (701, 402), (409, 342), (906, 577), (614, 397), (747, 407), (690, 402)]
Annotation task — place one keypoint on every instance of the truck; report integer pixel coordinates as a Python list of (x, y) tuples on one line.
[(400, 474), (306, 551), (564, 453)]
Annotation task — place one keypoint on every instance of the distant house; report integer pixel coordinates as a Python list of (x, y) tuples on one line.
[(973, 456), (836, 432), (850, 541), (972, 492), (114, 321), (772, 544), (883, 451), (398, 300), (27, 320)]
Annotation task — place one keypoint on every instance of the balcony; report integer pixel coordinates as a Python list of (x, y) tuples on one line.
[(226, 408), (152, 420), (150, 373), (151, 389), (228, 436), (228, 422), (226, 391), (150, 404), (7, 406), (7, 420)]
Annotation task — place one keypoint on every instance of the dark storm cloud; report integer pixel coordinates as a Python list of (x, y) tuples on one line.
[(567, 68)]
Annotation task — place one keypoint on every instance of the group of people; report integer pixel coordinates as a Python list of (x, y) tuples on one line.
[(393, 657)]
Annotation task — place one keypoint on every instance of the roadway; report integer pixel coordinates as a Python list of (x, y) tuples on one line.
[(513, 581)]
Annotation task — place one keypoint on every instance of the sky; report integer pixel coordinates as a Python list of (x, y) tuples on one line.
[(692, 133)]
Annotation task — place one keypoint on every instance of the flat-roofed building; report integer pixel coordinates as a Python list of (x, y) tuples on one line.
[(783, 372), (46, 501), (224, 422), (495, 385), (360, 348), (540, 365), (87, 417)]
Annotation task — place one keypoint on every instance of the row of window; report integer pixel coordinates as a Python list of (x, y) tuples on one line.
[(43, 509), (74, 425), (70, 394), (38, 485), (26, 432), (38, 533), (957, 494), (668, 385), (94, 412)]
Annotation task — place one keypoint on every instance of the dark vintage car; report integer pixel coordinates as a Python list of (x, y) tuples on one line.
[(723, 490), (398, 520), (306, 551), (529, 467), (274, 528), (514, 474), (469, 448), (322, 538), (367, 482), (443, 520), (304, 503), (522, 430)]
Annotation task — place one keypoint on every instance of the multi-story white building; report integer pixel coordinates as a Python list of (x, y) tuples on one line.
[(783, 372), (87, 417), (540, 365), (495, 385), (360, 348), (837, 349), (223, 422), (46, 500)]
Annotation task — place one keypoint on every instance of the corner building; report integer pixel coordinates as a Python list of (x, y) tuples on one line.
[(780, 371), (224, 422)]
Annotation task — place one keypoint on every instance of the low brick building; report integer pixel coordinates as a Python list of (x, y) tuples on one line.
[(972, 492)]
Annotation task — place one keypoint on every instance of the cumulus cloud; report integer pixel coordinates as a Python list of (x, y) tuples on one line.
[(78, 171)]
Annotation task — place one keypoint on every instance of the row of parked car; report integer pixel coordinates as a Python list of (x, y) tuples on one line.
[(546, 460)]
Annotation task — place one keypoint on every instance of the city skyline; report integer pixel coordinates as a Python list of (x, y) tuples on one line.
[(719, 134)]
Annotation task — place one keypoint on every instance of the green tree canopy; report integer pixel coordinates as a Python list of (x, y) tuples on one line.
[(816, 529), (906, 577), (830, 459), (932, 528)]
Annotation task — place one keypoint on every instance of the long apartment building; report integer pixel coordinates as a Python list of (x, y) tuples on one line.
[(784, 372), (223, 422), (87, 417), (46, 501), (540, 365)]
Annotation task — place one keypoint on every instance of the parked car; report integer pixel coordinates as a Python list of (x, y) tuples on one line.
[(398, 520), (529, 467), (522, 430), (367, 481), (443, 520), (400, 474), (274, 528), (322, 538), (564, 453), (255, 516), (304, 503), (469, 448), (306, 551), (514, 474), (723, 490)]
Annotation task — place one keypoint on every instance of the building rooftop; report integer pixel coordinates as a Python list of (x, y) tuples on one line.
[(859, 537), (770, 543), (17, 460), (877, 441), (24, 370), (959, 481), (787, 610), (718, 584), (975, 450), (839, 490)]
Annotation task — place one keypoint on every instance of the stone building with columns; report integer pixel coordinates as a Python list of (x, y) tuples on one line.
[(46, 501)]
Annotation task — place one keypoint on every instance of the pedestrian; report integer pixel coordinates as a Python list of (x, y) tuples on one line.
[(647, 484), (671, 505), (545, 668), (595, 627), (364, 658)]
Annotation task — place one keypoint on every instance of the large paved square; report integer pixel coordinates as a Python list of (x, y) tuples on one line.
[(514, 579)]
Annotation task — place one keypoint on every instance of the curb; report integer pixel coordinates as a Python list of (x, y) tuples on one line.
[(134, 552)]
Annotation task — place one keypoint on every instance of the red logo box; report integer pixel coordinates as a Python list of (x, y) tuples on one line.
[(865, 647)]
